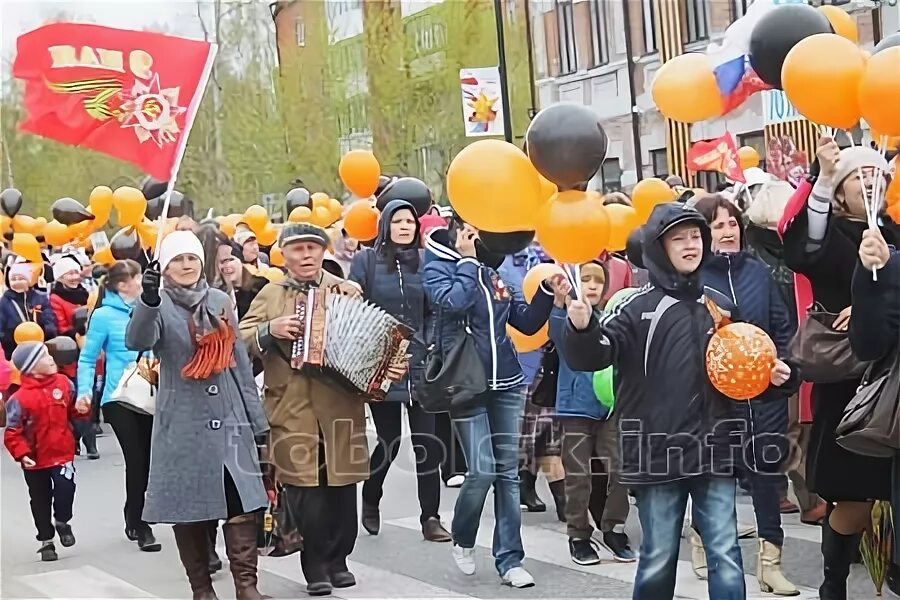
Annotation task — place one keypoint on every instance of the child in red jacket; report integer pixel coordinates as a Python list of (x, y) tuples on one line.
[(39, 437)]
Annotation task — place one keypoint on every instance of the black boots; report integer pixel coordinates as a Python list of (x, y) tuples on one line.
[(837, 552), (371, 519), (192, 540), (558, 489), (240, 547), (528, 498), (90, 445)]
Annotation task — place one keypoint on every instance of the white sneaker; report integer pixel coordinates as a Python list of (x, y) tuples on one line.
[(465, 559), (518, 577), (456, 481)]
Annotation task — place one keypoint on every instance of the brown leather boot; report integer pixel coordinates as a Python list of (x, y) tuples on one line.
[(240, 547), (192, 540)]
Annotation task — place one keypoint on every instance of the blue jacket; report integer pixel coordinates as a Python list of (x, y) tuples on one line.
[(106, 333), (462, 289), (395, 287), (513, 271), (574, 389), (14, 306), (758, 300)]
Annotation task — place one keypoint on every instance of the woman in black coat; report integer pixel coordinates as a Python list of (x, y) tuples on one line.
[(390, 275), (822, 243)]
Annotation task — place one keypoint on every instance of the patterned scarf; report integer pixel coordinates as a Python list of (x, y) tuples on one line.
[(213, 334)]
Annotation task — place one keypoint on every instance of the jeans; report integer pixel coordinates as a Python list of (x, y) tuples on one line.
[(764, 489), (660, 507), (489, 434), (388, 417), (51, 490)]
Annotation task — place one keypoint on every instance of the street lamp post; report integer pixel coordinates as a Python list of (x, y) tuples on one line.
[(501, 70)]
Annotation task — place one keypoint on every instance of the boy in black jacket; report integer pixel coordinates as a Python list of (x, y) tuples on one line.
[(675, 429)]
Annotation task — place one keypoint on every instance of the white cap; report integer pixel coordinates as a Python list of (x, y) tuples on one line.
[(756, 176), (65, 264), (176, 244)]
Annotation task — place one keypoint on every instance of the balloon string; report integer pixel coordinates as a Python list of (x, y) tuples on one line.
[(573, 274)]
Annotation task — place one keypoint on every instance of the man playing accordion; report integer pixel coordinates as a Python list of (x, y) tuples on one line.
[(318, 433)]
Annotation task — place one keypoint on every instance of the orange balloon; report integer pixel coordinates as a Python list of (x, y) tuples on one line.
[(891, 142), (892, 195), (276, 257), (881, 81), (843, 24), (548, 188), (528, 343), (28, 331), (573, 227), (318, 199), (622, 221), (56, 234), (148, 233), (92, 299), (25, 224), (359, 170), (893, 211), (821, 76), (336, 209), (739, 360), (104, 257), (493, 186), (268, 235), (130, 205), (228, 224), (256, 218), (647, 194), (536, 275), (361, 221), (321, 216), (26, 246), (301, 214), (748, 156), (685, 89), (101, 202)]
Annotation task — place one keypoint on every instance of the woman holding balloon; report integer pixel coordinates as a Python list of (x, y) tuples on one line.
[(462, 284), (821, 243)]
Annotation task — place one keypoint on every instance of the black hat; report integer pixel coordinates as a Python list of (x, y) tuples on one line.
[(303, 232)]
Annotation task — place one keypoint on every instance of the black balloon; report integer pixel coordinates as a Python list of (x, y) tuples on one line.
[(296, 198), (487, 257), (413, 190), (383, 182), (125, 244), (179, 206), (506, 243), (10, 202), (64, 350), (69, 211), (888, 42), (153, 188), (777, 33), (567, 144)]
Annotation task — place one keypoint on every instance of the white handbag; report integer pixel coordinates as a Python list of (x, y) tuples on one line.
[(135, 391)]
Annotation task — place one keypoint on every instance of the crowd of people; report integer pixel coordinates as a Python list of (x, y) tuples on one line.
[(616, 404)]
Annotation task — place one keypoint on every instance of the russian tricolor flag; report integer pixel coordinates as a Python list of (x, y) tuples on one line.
[(731, 59)]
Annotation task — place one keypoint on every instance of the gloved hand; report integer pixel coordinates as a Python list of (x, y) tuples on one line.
[(151, 283)]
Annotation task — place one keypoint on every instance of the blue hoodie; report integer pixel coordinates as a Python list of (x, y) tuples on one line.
[(463, 289), (574, 389), (106, 333), (513, 271)]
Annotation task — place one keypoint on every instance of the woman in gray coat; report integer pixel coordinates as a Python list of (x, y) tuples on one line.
[(203, 461)]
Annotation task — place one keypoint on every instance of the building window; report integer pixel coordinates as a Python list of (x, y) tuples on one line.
[(659, 162), (649, 15), (738, 8), (709, 180), (300, 32), (600, 37), (695, 22), (611, 175), (565, 23)]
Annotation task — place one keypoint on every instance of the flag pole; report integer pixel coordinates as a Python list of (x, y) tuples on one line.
[(5, 146), (182, 143)]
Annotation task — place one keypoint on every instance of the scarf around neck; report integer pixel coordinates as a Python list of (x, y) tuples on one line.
[(77, 295)]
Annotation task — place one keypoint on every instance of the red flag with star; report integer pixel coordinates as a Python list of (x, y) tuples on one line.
[(129, 94)]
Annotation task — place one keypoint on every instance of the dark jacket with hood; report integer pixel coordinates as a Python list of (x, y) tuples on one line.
[(391, 277), (657, 341), (757, 298), (465, 290), (16, 308)]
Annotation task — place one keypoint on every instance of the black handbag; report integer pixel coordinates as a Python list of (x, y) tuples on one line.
[(279, 533), (451, 381), (822, 354), (871, 422)]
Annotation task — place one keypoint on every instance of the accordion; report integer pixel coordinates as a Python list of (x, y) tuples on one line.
[(351, 339)]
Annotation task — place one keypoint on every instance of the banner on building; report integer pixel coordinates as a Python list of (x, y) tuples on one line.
[(481, 101), (790, 139)]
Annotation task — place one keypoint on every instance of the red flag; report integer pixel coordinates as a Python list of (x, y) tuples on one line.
[(719, 155), (130, 94)]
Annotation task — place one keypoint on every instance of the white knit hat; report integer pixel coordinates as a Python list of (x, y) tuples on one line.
[(64, 264), (176, 244)]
